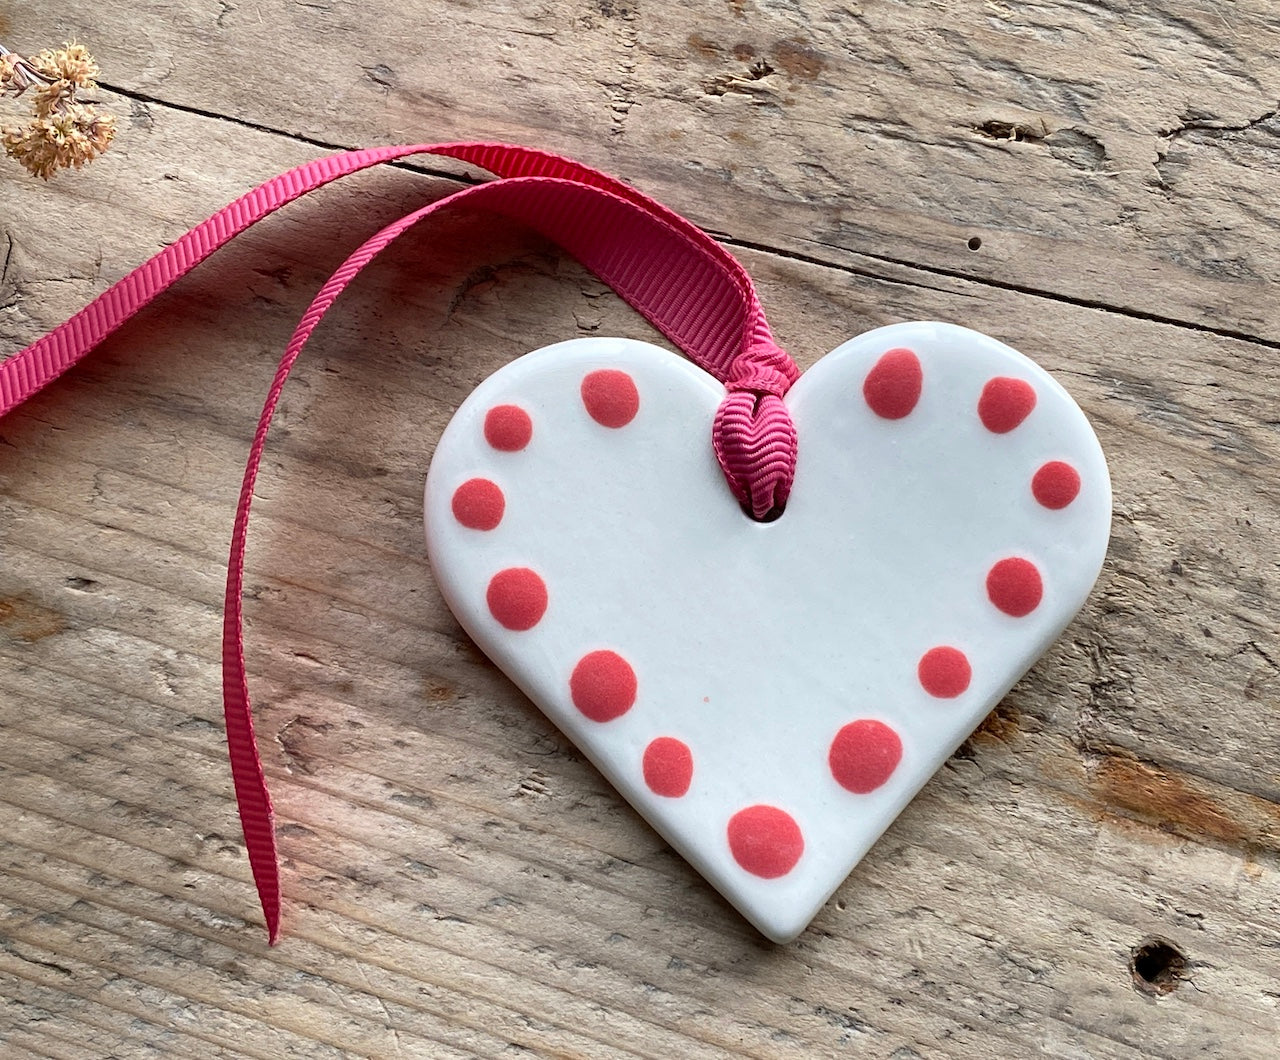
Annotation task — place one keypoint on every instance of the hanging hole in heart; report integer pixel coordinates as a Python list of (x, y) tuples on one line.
[(975, 243), (772, 515), (1158, 967)]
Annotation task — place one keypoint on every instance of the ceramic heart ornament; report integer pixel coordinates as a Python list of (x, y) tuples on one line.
[(769, 695)]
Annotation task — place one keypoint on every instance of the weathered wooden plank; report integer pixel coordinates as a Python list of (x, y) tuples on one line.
[(473, 892), (458, 878), (1103, 152)]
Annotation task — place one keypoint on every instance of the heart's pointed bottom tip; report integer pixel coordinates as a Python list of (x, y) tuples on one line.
[(782, 934), (781, 926)]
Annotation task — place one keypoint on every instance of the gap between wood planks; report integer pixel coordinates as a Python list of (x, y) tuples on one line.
[(742, 244)]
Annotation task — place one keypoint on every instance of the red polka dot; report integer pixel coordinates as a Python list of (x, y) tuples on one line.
[(508, 427), (864, 755), (478, 504), (765, 840), (668, 767), (944, 672), (892, 387), (1056, 484), (1005, 403), (611, 397), (603, 685), (1014, 586), (517, 598)]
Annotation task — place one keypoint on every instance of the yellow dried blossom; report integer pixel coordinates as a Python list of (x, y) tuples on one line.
[(70, 139), (65, 132), (49, 99), (35, 145), (72, 62)]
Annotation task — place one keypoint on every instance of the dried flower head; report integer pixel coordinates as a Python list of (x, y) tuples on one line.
[(72, 62), (68, 139), (65, 130)]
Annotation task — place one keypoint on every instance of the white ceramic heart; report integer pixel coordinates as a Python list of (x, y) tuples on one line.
[(799, 681)]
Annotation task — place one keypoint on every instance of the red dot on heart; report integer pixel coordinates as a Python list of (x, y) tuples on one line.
[(1056, 484), (1005, 403), (864, 755), (765, 840), (1014, 586), (944, 672), (517, 598), (892, 387), (611, 397), (478, 504), (508, 427), (668, 767), (603, 685)]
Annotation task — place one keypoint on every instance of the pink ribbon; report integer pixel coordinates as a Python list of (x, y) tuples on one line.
[(679, 278)]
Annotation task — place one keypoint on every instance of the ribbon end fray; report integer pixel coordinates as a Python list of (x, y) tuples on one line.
[(268, 885), (269, 898)]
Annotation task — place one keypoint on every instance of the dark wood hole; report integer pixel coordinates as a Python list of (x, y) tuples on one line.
[(1158, 967)]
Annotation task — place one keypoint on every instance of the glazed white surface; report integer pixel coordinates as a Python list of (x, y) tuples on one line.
[(754, 643)]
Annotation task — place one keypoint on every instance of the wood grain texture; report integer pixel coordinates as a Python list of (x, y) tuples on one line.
[(459, 882)]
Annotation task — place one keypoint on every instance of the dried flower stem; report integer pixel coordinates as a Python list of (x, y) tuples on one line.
[(66, 130)]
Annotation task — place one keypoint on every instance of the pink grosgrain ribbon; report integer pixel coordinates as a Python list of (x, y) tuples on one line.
[(679, 278)]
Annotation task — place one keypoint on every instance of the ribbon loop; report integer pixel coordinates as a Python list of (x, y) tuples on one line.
[(755, 442), (753, 435), (685, 283), (764, 368)]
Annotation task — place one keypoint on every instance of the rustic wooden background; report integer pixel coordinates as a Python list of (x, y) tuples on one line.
[(1093, 181)]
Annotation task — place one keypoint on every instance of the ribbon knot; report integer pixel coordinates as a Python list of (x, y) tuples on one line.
[(764, 368)]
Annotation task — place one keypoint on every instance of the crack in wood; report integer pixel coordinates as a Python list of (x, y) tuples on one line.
[(1212, 128), (8, 257), (53, 966), (268, 130), (985, 281), (1012, 131)]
